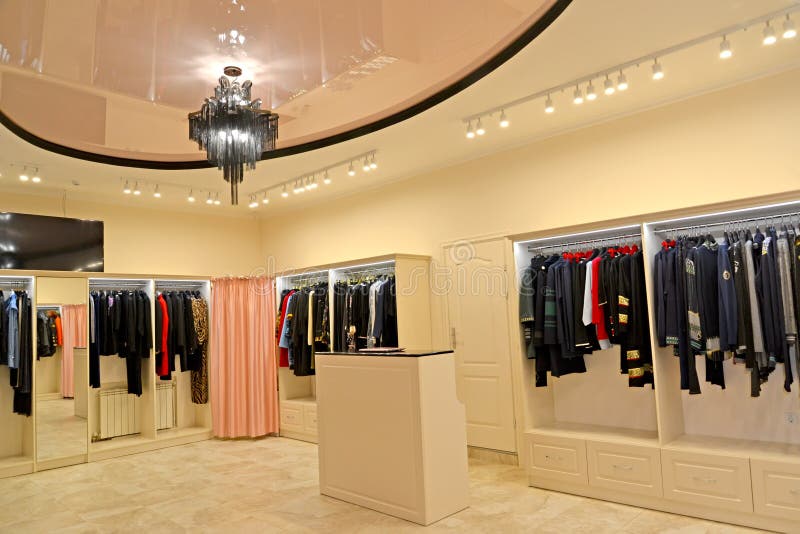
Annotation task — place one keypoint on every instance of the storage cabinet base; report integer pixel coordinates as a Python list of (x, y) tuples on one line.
[(392, 435)]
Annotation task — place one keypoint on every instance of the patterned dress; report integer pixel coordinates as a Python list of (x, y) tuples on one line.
[(200, 377)]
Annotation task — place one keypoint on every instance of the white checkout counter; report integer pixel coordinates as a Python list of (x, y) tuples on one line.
[(392, 434)]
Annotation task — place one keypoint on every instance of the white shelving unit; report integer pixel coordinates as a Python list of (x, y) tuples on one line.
[(17, 438), (720, 455), (297, 394)]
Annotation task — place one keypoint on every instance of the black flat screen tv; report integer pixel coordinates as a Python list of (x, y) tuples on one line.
[(37, 242)]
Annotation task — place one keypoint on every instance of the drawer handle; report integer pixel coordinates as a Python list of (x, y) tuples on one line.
[(623, 467), (557, 458), (705, 480)]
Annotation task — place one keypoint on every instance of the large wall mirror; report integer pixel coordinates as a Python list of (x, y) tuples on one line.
[(62, 371)]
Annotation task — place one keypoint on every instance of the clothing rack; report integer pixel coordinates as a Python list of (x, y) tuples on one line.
[(177, 285), (119, 285), (734, 222), (611, 240)]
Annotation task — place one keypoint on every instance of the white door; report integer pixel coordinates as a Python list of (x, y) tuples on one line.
[(479, 319)]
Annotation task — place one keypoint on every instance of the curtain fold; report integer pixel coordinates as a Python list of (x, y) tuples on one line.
[(73, 326), (244, 382)]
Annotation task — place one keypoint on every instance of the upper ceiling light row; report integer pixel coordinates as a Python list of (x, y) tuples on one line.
[(475, 123)]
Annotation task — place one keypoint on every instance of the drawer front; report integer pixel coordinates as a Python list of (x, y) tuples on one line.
[(776, 489), (718, 481), (310, 419), (292, 417), (630, 468), (556, 458)]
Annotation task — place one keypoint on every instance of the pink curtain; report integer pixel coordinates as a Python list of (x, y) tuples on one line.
[(73, 326), (244, 382)]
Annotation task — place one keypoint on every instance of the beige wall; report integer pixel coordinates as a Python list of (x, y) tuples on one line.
[(730, 145), (150, 241), (727, 145)]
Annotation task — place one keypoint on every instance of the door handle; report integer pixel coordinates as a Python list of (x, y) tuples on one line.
[(705, 480), (622, 467)]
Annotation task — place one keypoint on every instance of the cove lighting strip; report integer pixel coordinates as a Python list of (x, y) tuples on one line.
[(475, 127), (563, 237)]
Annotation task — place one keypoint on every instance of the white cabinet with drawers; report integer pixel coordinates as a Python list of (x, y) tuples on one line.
[(712, 480), (299, 419), (623, 467)]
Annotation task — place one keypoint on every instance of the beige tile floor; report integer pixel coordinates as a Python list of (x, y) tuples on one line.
[(271, 485), (60, 433)]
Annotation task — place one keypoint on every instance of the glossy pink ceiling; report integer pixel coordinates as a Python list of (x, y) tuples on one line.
[(117, 77)]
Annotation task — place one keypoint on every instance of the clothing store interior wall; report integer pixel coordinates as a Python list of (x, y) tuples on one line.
[(437, 205)]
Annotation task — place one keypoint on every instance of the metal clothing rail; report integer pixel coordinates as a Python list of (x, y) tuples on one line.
[(609, 239), (180, 285), (766, 218)]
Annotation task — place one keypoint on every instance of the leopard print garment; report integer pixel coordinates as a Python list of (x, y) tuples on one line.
[(200, 378)]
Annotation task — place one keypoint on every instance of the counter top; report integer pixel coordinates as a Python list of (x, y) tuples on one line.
[(406, 354)]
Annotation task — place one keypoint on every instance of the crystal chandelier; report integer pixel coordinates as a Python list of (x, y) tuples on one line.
[(232, 129)]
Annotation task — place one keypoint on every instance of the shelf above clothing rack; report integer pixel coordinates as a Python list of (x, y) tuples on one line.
[(772, 219), (600, 241)]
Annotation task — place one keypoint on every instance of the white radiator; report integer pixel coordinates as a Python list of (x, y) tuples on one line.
[(165, 405), (119, 413)]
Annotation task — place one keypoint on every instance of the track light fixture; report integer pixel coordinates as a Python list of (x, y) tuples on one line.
[(36, 178), (126, 189), (209, 200), (503, 119), (265, 199), (622, 82), (366, 166), (253, 202), (658, 72), (190, 198), (548, 105), (325, 178), (23, 177), (591, 94), (778, 20), (136, 190), (577, 97), (789, 31), (725, 48), (479, 129), (372, 163), (156, 192), (608, 86), (217, 201), (284, 193), (769, 35), (350, 170), (470, 131)]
